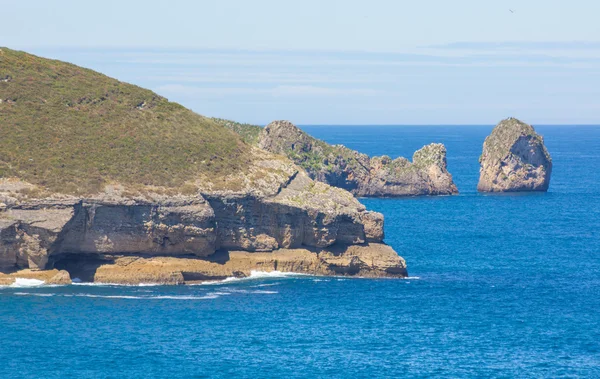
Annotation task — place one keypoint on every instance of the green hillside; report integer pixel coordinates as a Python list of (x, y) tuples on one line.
[(72, 130), (248, 132)]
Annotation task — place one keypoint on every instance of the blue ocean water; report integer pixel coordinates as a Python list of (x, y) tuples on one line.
[(501, 286)]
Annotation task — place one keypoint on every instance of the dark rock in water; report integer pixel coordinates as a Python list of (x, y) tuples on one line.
[(341, 167), (514, 159)]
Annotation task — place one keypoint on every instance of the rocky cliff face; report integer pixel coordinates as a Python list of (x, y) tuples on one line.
[(304, 226), (514, 158), (341, 167)]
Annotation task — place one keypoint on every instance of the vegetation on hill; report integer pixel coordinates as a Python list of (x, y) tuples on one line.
[(72, 130), (248, 132)]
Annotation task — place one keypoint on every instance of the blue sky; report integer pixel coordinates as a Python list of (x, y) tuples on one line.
[(335, 62)]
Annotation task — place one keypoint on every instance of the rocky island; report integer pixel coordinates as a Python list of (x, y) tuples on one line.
[(345, 168), (514, 159), (108, 182)]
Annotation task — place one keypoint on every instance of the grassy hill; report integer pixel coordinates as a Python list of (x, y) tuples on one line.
[(72, 130), (248, 132)]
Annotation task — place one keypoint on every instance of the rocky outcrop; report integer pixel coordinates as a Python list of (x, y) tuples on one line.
[(303, 226), (341, 167), (367, 260), (514, 159), (53, 276)]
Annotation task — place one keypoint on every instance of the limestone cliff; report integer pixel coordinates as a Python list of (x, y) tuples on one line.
[(305, 226), (514, 158), (341, 167), (111, 182)]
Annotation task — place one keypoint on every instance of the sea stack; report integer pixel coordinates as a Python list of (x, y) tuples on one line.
[(514, 159)]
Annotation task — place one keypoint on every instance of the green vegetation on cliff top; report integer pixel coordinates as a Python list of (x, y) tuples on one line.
[(499, 143), (72, 130)]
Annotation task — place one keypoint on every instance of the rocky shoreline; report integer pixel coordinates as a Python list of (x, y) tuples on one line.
[(302, 226)]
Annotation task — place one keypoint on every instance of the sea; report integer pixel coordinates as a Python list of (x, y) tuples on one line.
[(500, 286)]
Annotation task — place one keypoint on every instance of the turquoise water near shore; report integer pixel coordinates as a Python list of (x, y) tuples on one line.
[(500, 286)]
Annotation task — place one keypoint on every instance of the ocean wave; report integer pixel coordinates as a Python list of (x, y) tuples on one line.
[(130, 297), (263, 292), (266, 285), (254, 275), (101, 284), (23, 283), (238, 290)]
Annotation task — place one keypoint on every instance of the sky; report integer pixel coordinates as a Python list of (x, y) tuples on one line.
[(334, 62)]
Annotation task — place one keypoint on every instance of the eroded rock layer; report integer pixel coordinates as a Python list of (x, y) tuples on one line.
[(306, 227)]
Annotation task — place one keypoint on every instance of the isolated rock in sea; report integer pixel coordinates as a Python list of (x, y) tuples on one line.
[(341, 167), (514, 159)]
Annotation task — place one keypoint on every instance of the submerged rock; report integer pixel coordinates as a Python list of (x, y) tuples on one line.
[(514, 159), (341, 167)]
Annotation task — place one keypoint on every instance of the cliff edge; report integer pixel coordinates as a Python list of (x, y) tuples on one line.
[(514, 158)]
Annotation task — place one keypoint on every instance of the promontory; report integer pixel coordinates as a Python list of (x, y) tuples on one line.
[(105, 181), (514, 159), (356, 172)]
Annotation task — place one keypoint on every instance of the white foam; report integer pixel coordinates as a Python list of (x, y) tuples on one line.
[(263, 292), (209, 296), (255, 275), (101, 284), (23, 282), (160, 297), (412, 278), (34, 294), (266, 285), (273, 274)]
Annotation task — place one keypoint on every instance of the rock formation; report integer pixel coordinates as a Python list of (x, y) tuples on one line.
[(109, 182), (304, 226), (363, 176), (514, 158)]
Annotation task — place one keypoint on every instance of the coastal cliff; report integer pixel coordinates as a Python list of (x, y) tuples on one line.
[(514, 158), (109, 182), (342, 167)]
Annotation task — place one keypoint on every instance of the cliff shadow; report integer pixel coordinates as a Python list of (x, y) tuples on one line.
[(80, 266)]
